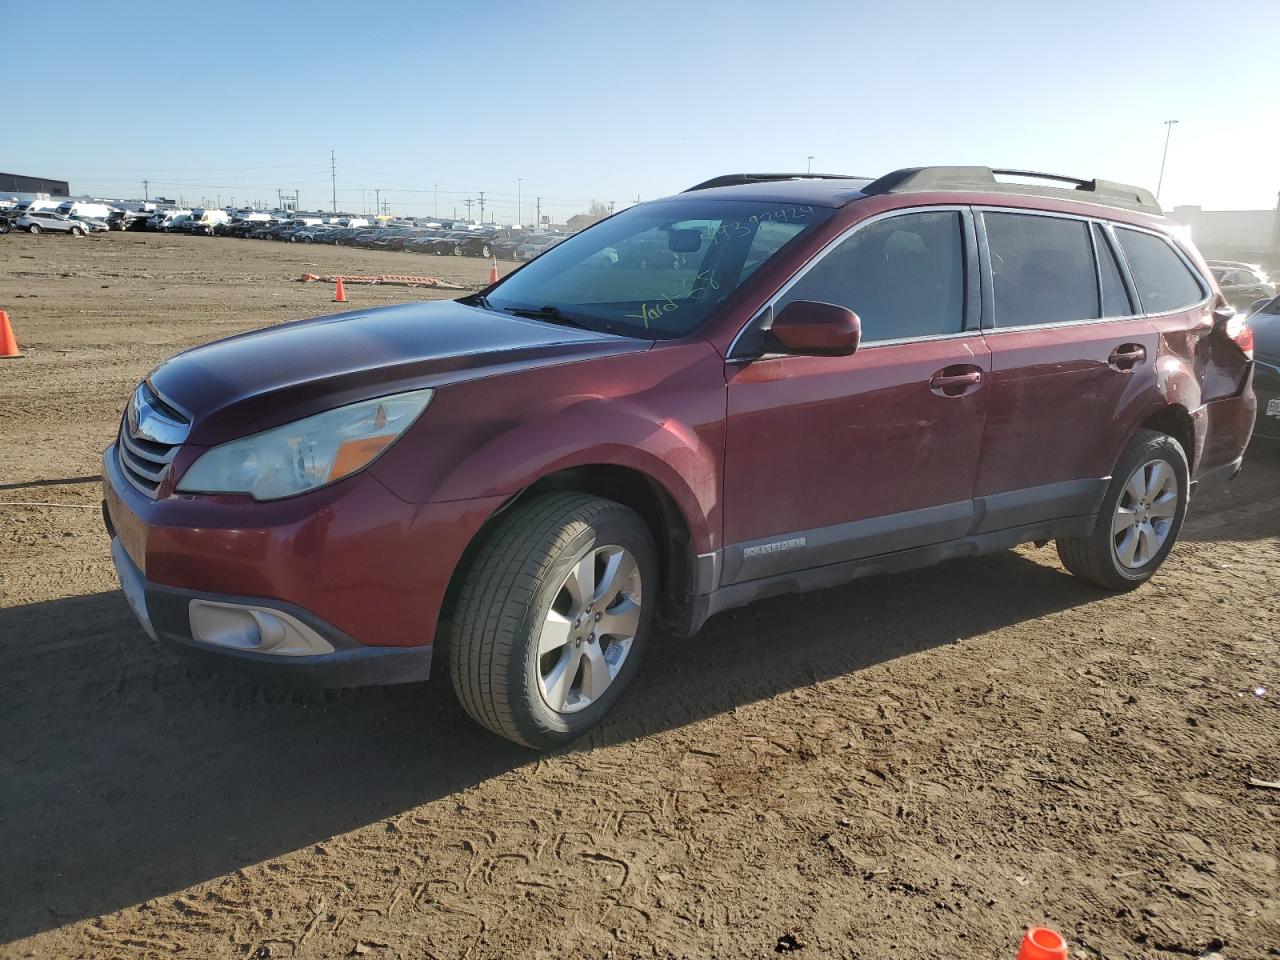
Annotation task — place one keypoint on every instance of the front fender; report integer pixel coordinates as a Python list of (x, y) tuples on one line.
[(660, 413), (601, 432)]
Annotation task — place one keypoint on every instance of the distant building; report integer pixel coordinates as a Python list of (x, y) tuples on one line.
[(16, 183), (580, 221), (1250, 235)]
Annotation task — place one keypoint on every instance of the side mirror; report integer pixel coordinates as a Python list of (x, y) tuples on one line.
[(810, 328)]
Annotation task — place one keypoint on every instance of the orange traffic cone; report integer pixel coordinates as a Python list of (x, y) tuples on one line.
[(8, 342), (493, 270), (339, 294), (1041, 943)]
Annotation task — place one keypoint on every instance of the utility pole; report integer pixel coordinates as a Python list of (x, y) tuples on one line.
[(146, 193), (809, 168), (333, 180), (435, 199), (611, 208), (468, 203), (481, 206), (279, 199), (377, 201), (538, 218), (1168, 133), (519, 184)]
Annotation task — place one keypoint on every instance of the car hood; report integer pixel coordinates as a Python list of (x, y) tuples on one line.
[(251, 382)]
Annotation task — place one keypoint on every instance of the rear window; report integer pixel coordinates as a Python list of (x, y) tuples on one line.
[(1043, 269), (1164, 281)]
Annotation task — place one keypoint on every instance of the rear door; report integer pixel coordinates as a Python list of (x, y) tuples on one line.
[(1070, 353), (830, 459)]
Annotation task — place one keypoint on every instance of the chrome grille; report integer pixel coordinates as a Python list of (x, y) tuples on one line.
[(151, 434)]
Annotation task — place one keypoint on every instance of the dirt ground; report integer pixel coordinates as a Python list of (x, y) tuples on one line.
[(914, 766)]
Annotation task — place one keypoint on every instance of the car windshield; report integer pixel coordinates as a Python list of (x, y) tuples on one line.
[(656, 270)]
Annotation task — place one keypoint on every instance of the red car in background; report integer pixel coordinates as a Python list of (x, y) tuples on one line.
[(831, 377)]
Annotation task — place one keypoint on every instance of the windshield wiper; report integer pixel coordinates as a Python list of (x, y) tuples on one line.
[(550, 314)]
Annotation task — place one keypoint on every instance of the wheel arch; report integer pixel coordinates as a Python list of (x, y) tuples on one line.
[(633, 488), (1175, 421)]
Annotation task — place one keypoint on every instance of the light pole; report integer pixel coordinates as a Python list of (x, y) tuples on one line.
[(519, 211), (809, 168), (1163, 159)]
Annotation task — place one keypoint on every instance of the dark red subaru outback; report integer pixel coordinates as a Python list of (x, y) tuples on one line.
[(768, 383)]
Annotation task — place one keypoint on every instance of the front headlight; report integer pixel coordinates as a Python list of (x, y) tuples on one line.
[(307, 453)]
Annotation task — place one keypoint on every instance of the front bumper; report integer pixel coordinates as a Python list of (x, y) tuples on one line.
[(341, 586), (175, 618)]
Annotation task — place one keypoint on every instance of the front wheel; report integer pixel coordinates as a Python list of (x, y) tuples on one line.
[(76, 231), (553, 618), (1140, 518), (34, 228)]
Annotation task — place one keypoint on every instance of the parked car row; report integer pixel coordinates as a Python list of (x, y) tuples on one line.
[(441, 238), (506, 244)]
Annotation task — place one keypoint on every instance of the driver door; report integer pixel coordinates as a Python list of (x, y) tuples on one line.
[(830, 459)]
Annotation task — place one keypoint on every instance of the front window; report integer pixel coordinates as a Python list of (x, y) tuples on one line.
[(657, 270)]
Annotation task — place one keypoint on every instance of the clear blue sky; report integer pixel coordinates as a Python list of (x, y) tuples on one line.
[(618, 100)]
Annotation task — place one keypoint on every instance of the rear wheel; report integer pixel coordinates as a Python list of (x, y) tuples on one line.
[(486, 251), (34, 228), (553, 618), (1140, 518)]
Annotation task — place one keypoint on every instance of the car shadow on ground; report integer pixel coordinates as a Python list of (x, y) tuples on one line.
[(1246, 508), (129, 773)]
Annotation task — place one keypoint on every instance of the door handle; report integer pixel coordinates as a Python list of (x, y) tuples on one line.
[(956, 380), (1127, 356)]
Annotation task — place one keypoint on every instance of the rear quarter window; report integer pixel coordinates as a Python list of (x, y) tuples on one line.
[(1165, 283)]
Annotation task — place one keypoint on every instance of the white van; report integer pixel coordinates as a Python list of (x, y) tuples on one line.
[(33, 206), (84, 210), (210, 217), (162, 218)]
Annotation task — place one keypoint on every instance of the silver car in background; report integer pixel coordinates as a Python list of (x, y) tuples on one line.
[(43, 220)]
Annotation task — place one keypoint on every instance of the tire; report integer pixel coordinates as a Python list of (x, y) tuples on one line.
[(521, 586), (75, 231), (457, 250), (1100, 557), (486, 251), (33, 229)]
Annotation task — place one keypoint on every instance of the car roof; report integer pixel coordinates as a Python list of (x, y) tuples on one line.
[(967, 184), (824, 193)]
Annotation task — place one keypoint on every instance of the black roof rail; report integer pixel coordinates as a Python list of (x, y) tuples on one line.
[(738, 179), (919, 179)]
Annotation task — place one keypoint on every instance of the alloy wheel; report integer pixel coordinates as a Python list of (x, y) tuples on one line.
[(589, 629), (1144, 514)]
